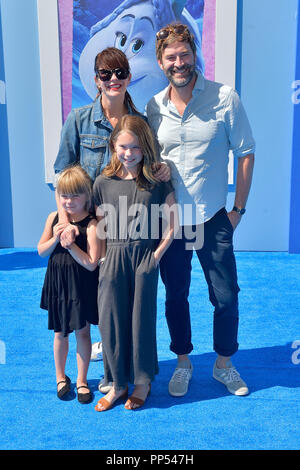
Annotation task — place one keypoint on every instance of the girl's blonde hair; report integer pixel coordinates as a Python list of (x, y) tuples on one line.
[(137, 126), (75, 180)]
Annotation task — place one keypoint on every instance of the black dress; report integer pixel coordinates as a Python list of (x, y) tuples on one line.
[(70, 290)]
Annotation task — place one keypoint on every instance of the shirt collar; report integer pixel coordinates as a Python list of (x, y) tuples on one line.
[(199, 86)]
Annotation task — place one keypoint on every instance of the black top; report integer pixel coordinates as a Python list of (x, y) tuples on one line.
[(70, 290)]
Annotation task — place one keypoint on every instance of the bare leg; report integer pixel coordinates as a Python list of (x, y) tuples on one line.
[(183, 357), (61, 349), (83, 355), (222, 362)]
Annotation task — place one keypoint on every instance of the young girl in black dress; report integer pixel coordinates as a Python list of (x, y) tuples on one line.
[(70, 287)]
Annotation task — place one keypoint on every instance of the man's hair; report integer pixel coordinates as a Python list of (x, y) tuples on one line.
[(172, 36)]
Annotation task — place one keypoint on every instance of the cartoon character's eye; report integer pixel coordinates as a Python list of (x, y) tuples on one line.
[(120, 41), (137, 45)]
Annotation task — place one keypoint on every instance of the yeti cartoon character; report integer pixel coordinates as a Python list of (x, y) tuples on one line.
[(131, 27)]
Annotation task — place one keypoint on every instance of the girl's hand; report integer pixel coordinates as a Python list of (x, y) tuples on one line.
[(162, 171), (88, 259), (66, 244), (157, 259), (58, 230), (68, 235)]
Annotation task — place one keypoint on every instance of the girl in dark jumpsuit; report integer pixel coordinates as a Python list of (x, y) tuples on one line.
[(125, 195)]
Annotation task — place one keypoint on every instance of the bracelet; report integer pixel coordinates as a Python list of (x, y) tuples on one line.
[(101, 261)]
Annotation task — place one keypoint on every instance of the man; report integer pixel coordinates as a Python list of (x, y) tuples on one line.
[(197, 122)]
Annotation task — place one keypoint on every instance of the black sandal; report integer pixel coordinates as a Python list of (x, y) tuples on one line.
[(84, 397), (65, 389)]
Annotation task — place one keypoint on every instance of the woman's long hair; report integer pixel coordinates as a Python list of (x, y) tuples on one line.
[(137, 126), (113, 58)]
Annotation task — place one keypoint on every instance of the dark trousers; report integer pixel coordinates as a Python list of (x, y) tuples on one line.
[(218, 263)]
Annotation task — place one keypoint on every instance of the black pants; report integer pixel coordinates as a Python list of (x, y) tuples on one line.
[(218, 263)]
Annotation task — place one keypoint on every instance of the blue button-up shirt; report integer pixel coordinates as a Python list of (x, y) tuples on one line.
[(85, 139), (196, 145)]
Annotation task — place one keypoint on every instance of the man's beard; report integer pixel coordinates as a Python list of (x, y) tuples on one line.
[(184, 81)]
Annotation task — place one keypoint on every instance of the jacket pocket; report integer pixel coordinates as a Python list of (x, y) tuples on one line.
[(92, 152)]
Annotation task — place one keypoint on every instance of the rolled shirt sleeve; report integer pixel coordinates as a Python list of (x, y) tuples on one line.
[(237, 126)]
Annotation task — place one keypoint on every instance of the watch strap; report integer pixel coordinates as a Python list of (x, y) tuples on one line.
[(238, 210)]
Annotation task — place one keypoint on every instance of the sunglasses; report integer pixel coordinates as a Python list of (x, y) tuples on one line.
[(177, 29), (104, 75)]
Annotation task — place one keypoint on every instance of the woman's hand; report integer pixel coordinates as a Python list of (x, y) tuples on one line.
[(162, 171)]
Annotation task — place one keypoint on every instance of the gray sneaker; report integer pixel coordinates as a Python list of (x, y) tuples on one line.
[(231, 379), (104, 387), (179, 383)]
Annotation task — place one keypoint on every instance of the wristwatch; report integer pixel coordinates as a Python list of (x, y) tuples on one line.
[(239, 211)]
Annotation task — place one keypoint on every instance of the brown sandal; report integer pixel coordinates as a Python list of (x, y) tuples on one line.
[(107, 405), (136, 401)]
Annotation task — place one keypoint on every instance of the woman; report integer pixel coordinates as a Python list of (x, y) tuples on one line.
[(86, 132)]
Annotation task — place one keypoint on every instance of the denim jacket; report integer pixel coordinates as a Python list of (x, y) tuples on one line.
[(85, 139)]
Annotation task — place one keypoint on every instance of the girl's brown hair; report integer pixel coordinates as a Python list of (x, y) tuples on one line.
[(113, 58), (135, 125), (75, 180)]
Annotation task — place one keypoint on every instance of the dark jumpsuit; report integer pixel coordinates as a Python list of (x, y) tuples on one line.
[(127, 292)]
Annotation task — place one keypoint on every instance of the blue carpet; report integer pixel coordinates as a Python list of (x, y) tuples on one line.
[(208, 417)]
